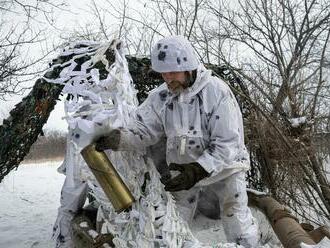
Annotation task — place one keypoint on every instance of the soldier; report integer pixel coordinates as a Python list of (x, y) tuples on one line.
[(201, 120)]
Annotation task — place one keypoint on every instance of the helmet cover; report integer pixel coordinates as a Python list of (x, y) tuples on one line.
[(173, 54)]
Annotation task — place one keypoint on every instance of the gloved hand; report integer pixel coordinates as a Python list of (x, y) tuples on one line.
[(189, 176), (102, 239), (109, 141)]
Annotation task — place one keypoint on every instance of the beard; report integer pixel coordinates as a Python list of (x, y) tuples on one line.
[(176, 86)]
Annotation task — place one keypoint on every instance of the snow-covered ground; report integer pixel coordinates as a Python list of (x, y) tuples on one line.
[(29, 202), (28, 206)]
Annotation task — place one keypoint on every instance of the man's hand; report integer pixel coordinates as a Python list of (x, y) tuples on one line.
[(189, 175), (109, 141)]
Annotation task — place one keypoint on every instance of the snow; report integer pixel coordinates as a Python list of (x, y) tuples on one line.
[(93, 233), (211, 232), (28, 207), (83, 224), (256, 192), (30, 198), (324, 243), (296, 122)]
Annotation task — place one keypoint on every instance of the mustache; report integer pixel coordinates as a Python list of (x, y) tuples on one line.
[(175, 82)]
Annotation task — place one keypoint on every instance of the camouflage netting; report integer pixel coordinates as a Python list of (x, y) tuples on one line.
[(21, 129)]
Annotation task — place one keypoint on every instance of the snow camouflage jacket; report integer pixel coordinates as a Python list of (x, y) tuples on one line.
[(202, 124)]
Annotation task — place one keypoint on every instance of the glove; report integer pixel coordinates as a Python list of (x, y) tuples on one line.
[(189, 176), (102, 239), (110, 141)]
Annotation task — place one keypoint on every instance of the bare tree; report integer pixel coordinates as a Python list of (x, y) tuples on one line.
[(20, 29), (140, 26), (282, 48)]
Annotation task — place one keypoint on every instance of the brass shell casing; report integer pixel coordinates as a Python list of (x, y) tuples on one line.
[(107, 176)]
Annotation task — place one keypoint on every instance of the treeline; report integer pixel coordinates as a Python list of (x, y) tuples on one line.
[(48, 147)]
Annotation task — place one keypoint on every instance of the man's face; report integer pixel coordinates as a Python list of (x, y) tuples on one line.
[(176, 81)]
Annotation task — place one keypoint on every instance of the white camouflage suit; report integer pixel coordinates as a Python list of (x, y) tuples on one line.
[(202, 124)]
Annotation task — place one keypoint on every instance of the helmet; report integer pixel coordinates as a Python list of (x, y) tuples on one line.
[(172, 54)]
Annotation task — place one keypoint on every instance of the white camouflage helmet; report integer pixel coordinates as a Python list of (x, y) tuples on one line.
[(172, 54)]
